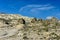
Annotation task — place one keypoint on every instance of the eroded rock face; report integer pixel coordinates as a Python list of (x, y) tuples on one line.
[(17, 27), (10, 25)]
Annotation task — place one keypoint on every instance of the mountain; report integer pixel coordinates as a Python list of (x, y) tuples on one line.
[(18, 27)]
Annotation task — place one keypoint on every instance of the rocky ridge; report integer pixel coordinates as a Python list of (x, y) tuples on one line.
[(17, 27)]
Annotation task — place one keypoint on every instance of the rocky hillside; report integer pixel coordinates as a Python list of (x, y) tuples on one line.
[(17, 27)]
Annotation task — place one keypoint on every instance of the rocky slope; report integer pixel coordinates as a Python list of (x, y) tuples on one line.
[(17, 27)]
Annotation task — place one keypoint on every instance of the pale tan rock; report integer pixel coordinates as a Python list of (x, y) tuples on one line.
[(14, 29), (20, 26)]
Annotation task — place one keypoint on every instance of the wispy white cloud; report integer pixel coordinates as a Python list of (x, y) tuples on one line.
[(46, 8), (37, 7), (36, 10), (49, 17)]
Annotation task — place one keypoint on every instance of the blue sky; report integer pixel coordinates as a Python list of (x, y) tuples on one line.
[(31, 8)]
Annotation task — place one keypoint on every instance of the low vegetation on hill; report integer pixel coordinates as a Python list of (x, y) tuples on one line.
[(17, 27)]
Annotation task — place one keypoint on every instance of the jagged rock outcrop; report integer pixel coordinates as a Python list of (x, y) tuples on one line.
[(17, 27)]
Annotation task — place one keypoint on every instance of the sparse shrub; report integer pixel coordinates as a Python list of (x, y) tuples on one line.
[(33, 20), (25, 37), (22, 21), (40, 20), (45, 29)]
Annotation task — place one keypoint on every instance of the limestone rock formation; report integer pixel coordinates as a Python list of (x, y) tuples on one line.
[(17, 27)]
